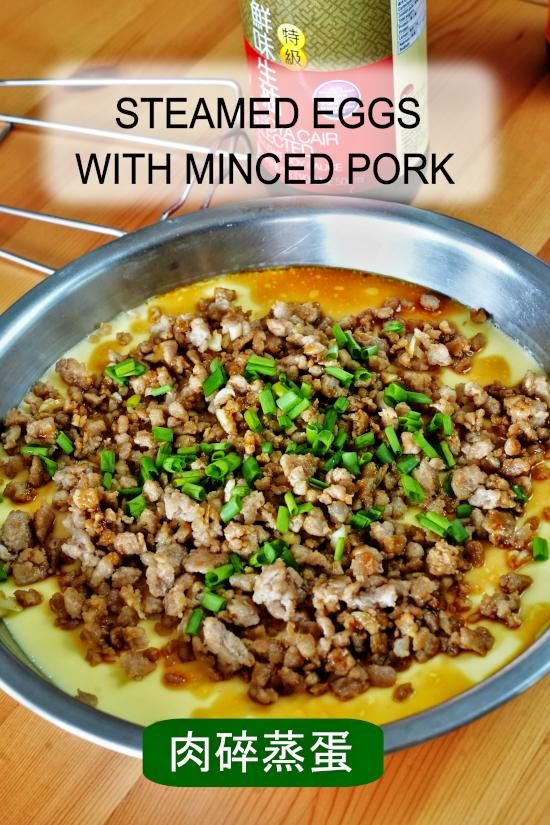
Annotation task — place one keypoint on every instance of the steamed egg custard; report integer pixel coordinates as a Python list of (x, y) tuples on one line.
[(299, 492)]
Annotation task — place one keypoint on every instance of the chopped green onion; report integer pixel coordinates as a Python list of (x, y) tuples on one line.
[(345, 378), (162, 434), (539, 549), (213, 578), (291, 448), (288, 400), (340, 336), (393, 440), (412, 489), (3, 573), (407, 464), (195, 621), (267, 402), (360, 520), (237, 563), (384, 454), (305, 507), (279, 388), (251, 470), (64, 442), (126, 492), (364, 458), (306, 389), (330, 419), (107, 460), (351, 463), (136, 506), (394, 394), (133, 401), (341, 404), (213, 602), (368, 352), (340, 440), (107, 481), (332, 352), (290, 502), (317, 483), (49, 465), (283, 519), (288, 558), (299, 408), (194, 491), (216, 380), (364, 440), (129, 368), (464, 510), (285, 421), (166, 388), (258, 365), (252, 420), (434, 522), (240, 490), (173, 464), (35, 449), (188, 451), (443, 422), (212, 446), (323, 442), (409, 422), (148, 468), (458, 532), (418, 398), (163, 452), (267, 447), (194, 476), (218, 469), (448, 485), (332, 462), (339, 548), (425, 445), (362, 375), (447, 454), (394, 326), (519, 493)]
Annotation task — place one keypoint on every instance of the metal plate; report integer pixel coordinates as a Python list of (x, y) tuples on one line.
[(460, 260)]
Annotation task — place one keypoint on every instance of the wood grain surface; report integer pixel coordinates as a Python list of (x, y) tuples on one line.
[(495, 770)]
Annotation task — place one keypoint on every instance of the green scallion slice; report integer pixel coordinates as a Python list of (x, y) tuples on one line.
[(156, 391), (350, 461), (458, 532), (213, 578), (394, 326), (35, 449), (148, 468), (195, 621), (464, 510), (412, 489), (258, 365), (407, 464), (539, 549), (393, 440), (194, 491), (107, 461), (519, 493), (344, 377), (450, 460), (283, 519), (251, 470), (64, 443), (107, 481), (267, 447), (163, 434), (231, 509), (418, 398), (341, 404), (267, 402), (252, 421), (425, 445), (136, 506), (384, 454), (339, 548), (237, 563), (49, 465), (364, 440), (394, 394), (216, 380), (133, 401), (317, 483)]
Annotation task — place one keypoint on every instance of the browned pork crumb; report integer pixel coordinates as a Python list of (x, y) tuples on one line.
[(301, 621), (86, 698)]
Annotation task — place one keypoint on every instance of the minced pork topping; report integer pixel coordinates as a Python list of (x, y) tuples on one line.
[(288, 498)]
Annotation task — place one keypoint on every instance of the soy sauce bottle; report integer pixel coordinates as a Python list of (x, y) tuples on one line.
[(308, 49)]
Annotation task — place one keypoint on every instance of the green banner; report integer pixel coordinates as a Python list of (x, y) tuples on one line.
[(263, 752)]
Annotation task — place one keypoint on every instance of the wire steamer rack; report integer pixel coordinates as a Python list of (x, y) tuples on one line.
[(227, 142)]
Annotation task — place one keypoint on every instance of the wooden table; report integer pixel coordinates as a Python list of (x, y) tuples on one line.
[(493, 771)]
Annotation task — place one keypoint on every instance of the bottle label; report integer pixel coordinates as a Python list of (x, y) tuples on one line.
[(357, 51)]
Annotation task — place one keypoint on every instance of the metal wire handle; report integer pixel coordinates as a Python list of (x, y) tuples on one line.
[(232, 138)]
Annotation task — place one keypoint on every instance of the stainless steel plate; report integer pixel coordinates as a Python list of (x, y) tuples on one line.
[(473, 266)]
